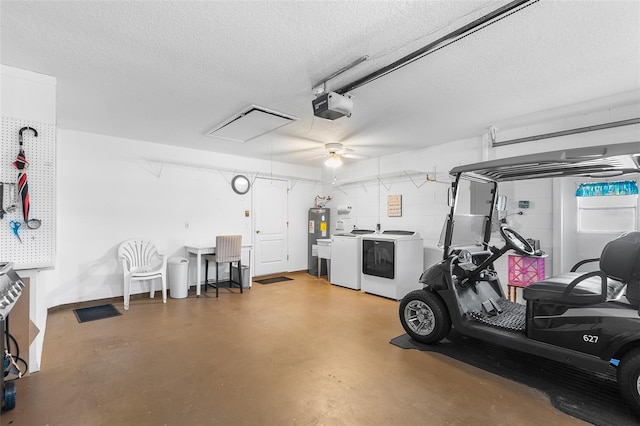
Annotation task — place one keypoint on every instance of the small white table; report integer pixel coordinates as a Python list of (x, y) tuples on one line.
[(205, 249)]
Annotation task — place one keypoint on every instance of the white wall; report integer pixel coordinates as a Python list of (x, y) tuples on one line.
[(109, 190), (622, 106), (27, 95)]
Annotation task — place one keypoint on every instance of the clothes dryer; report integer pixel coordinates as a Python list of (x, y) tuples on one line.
[(392, 263)]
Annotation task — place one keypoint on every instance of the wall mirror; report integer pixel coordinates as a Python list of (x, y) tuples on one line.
[(240, 184)]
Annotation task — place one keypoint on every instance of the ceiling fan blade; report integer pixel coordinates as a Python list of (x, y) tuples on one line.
[(356, 156), (343, 150), (318, 156)]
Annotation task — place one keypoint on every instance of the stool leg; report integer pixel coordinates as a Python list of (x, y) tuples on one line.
[(216, 279), (206, 274), (240, 276)]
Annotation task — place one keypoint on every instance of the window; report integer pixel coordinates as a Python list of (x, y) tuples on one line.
[(607, 206)]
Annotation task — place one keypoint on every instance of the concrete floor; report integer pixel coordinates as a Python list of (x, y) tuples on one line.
[(298, 352)]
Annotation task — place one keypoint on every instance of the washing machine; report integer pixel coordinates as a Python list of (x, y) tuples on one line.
[(392, 263), (346, 259)]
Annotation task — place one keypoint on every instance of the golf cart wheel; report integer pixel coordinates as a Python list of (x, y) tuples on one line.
[(629, 379), (424, 316)]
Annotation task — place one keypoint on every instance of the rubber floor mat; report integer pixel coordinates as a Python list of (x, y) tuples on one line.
[(273, 280), (588, 396), (96, 313)]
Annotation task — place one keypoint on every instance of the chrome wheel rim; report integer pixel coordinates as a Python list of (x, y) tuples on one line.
[(638, 386), (420, 318)]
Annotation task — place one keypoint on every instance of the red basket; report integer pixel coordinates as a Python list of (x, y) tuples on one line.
[(525, 270)]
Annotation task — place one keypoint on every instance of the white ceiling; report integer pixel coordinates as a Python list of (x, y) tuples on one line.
[(168, 72)]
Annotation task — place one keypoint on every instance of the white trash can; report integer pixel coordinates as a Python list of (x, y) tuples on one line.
[(246, 280), (178, 277)]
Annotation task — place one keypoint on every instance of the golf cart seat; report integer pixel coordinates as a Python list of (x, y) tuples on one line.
[(619, 269)]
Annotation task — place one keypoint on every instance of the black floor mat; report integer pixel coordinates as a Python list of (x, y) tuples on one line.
[(587, 396), (96, 312), (273, 280)]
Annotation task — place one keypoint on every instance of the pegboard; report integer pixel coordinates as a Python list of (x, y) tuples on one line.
[(38, 245)]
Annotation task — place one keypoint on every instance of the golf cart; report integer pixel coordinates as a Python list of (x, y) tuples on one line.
[(587, 320)]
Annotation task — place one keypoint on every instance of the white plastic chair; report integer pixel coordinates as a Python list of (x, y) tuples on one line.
[(228, 250), (142, 262)]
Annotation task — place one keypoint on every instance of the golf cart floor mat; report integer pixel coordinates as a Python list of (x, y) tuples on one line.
[(588, 396), (512, 316)]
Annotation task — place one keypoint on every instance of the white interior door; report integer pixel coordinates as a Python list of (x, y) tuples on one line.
[(270, 198)]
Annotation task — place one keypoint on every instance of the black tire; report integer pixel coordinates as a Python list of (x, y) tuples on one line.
[(629, 379), (9, 395), (424, 316)]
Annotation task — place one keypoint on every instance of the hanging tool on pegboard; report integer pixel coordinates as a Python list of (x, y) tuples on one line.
[(10, 189), (22, 164)]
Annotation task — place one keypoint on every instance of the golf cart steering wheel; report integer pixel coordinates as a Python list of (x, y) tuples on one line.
[(516, 241)]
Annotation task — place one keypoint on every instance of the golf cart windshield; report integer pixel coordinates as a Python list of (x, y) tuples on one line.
[(472, 210)]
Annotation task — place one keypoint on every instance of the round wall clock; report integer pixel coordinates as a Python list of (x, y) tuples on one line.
[(240, 184)]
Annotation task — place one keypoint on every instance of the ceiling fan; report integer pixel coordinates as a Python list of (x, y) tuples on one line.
[(336, 151)]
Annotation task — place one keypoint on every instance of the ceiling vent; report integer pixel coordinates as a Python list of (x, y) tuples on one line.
[(250, 123)]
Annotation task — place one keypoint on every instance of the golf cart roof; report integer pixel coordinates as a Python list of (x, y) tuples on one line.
[(599, 161)]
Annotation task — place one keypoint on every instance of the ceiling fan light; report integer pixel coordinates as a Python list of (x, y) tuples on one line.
[(333, 160)]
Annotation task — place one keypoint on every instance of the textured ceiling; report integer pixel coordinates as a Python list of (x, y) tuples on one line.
[(167, 72)]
